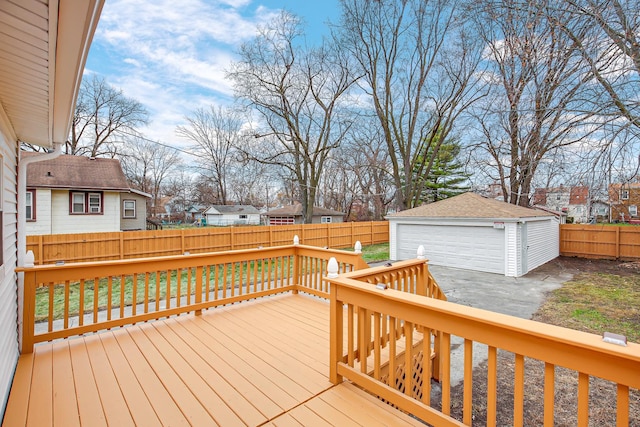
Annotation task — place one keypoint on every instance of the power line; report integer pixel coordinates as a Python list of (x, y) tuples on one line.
[(160, 143)]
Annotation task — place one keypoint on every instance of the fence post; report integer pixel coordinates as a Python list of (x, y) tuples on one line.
[(28, 311), (618, 242), (328, 235), (41, 249), (121, 245), (373, 242)]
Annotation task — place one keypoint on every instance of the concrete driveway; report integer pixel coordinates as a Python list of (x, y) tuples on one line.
[(515, 296)]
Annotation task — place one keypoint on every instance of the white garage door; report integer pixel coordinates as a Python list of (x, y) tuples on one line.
[(472, 248)]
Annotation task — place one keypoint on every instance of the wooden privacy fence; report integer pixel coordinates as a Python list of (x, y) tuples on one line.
[(600, 241), (49, 249)]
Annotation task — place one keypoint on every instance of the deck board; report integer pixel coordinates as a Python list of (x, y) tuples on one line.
[(261, 362)]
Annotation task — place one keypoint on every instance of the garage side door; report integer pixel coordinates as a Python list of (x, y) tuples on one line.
[(543, 241), (472, 248)]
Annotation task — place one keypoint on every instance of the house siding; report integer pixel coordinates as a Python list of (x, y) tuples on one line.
[(140, 221), (232, 219), (64, 223), (42, 224), (8, 283)]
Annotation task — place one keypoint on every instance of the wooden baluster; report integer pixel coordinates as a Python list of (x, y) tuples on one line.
[(67, 286), (622, 406), (492, 386), (198, 289), (518, 392), (122, 294), (96, 299), (158, 291), (109, 296), (445, 372), (583, 399), (549, 392), (50, 314), (81, 303), (134, 294), (426, 366), (408, 358)]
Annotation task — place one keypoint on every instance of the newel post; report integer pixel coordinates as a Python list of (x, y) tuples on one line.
[(296, 264), (28, 305), (336, 328), (422, 281)]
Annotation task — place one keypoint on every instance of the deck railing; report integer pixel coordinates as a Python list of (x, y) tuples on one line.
[(72, 299), (364, 309)]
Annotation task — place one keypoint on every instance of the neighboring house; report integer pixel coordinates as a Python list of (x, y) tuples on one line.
[(44, 49), (625, 201), (232, 215), (599, 211), (292, 214), (573, 200), (476, 233), (160, 208), (194, 213), (75, 194)]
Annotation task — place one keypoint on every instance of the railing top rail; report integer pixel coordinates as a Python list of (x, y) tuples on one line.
[(580, 351), (80, 270), (382, 269)]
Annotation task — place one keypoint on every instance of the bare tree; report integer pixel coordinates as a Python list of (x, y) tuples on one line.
[(418, 65), (147, 165), (216, 132), (606, 33), (296, 92), (538, 90), (102, 118), (180, 187)]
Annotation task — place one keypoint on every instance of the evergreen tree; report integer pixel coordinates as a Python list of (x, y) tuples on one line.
[(446, 177)]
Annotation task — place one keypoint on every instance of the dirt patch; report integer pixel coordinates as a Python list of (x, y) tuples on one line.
[(574, 266)]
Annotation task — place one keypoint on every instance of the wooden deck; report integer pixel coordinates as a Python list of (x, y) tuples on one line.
[(263, 362)]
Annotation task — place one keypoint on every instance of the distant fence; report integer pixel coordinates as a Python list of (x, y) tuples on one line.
[(49, 249), (600, 241)]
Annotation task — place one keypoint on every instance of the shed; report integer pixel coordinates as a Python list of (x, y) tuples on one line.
[(223, 215), (476, 233)]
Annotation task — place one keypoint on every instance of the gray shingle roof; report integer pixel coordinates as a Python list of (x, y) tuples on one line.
[(77, 172), (239, 209), (469, 205)]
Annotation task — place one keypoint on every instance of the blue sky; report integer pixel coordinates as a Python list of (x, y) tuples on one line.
[(172, 56)]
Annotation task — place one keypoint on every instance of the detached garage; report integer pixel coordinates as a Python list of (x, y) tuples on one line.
[(475, 233)]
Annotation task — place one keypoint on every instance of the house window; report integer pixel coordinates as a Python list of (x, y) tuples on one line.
[(601, 210), (633, 210), (242, 216), (325, 220), (128, 208), (624, 194), (30, 205), (557, 197), (85, 203)]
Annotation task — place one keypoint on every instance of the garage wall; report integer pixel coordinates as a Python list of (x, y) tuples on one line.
[(513, 257), (543, 239)]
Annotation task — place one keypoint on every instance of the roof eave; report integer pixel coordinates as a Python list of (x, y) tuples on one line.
[(71, 29)]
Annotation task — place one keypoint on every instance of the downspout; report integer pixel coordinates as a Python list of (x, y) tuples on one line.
[(22, 225), (22, 196)]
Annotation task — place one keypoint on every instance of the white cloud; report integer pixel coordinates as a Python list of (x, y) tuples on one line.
[(173, 56)]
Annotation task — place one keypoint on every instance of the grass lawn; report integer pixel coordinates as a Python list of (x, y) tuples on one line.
[(157, 285), (374, 253), (596, 302)]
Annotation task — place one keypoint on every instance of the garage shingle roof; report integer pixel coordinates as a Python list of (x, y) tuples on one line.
[(469, 205)]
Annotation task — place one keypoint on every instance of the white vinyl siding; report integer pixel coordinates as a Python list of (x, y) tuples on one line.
[(42, 225), (63, 222), (8, 281), (543, 241)]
